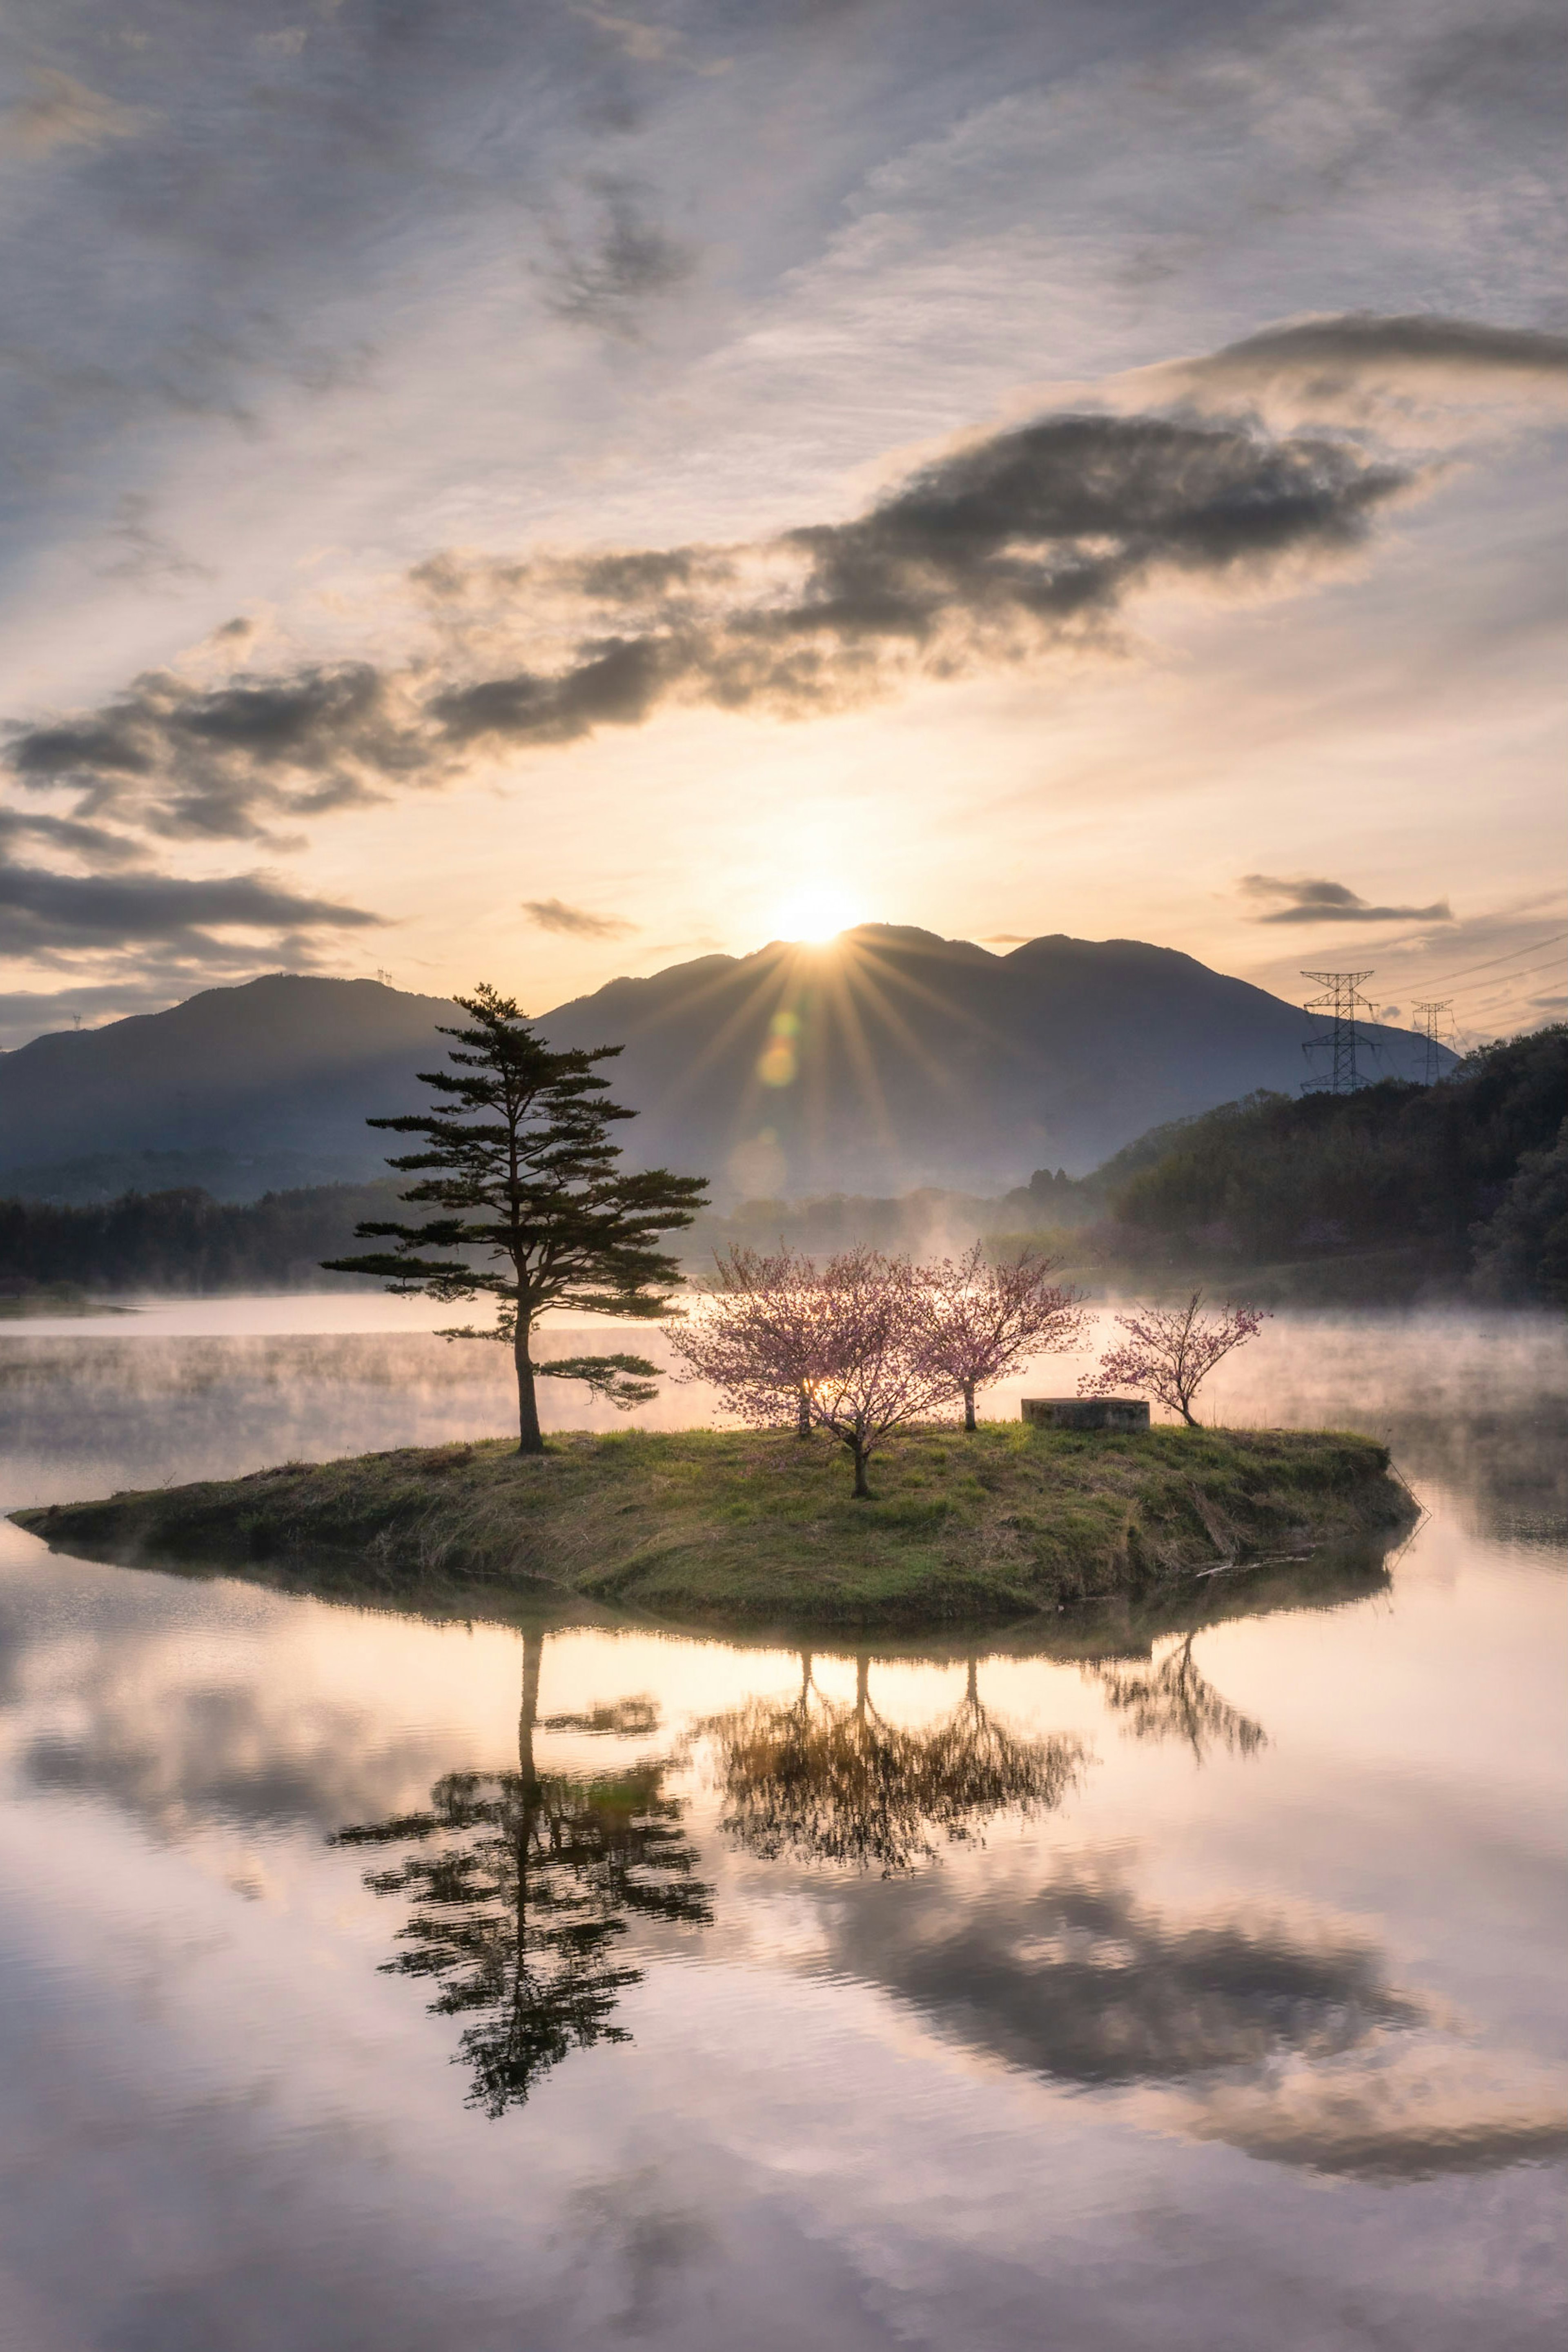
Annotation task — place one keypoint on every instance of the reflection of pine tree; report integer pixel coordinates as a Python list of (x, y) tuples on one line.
[(1172, 1701), (821, 1781), (519, 1904)]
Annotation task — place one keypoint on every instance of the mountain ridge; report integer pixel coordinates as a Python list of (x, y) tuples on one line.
[(888, 1059)]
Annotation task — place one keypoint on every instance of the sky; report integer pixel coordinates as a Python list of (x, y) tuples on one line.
[(530, 490)]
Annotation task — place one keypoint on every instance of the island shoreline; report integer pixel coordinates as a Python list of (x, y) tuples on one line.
[(747, 1528)]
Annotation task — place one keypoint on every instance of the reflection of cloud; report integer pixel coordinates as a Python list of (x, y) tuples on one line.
[(1428, 2112), (1287, 2041), (218, 1752), (1081, 1981)]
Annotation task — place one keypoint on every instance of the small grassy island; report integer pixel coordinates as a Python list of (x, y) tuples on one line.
[(760, 1526)]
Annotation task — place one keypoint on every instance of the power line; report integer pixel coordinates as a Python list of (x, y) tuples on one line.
[(1443, 978), (1341, 1001), (1497, 988)]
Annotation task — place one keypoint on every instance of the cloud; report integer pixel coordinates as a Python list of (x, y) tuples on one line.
[(1360, 367), (62, 112), (554, 914), (1339, 346), (619, 259), (1332, 902), (42, 914), (215, 762), (1011, 546), (92, 843)]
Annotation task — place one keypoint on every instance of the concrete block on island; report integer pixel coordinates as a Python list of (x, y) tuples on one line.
[(1087, 1412)]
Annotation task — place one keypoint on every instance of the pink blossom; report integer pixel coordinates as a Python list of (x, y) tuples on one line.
[(843, 1348), (985, 1321), (1170, 1350)]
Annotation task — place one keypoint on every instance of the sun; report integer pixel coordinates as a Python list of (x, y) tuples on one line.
[(815, 912)]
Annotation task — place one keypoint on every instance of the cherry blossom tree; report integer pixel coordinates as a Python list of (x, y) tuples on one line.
[(1169, 1351), (985, 1321), (752, 1336), (843, 1348)]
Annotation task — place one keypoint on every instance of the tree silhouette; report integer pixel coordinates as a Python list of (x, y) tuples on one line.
[(519, 1899), (1171, 1700), (520, 1164), (818, 1779)]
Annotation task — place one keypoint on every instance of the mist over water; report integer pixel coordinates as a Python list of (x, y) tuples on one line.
[(371, 1980)]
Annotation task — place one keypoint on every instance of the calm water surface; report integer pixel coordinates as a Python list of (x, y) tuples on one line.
[(373, 1982)]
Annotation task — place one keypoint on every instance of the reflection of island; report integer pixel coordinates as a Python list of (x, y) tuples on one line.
[(1171, 1700), (819, 1780), (519, 1894)]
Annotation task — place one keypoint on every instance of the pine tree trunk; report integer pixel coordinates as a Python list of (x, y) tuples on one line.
[(530, 1436), (969, 1404)]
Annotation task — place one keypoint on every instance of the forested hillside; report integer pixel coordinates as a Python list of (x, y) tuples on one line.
[(1468, 1178)]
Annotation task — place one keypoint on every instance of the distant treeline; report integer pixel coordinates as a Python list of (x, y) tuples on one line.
[(1466, 1180), (185, 1241)]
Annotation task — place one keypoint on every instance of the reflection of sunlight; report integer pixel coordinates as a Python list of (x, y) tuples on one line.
[(816, 911)]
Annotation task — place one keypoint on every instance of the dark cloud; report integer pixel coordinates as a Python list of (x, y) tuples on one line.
[(554, 915), (1332, 902), (217, 762), (1006, 548), (604, 271), (1338, 348), (92, 842), (42, 913)]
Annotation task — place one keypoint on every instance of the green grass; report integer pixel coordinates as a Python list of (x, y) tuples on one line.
[(741, 1526)]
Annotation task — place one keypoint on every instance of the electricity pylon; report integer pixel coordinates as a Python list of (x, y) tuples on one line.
[(1437, 1030), (1341, 1001)]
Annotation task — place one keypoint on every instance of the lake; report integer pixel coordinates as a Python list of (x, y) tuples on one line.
[(369, 1981)]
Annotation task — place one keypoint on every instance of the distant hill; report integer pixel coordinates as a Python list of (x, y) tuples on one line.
[(891, 1060)]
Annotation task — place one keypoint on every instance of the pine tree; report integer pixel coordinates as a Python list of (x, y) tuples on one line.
[(519, 1164)]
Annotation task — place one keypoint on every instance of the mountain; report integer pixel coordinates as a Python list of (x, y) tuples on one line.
[(250, 1086), (894, 1058), (888, 1059)]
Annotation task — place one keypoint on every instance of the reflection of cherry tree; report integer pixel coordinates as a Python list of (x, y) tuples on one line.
[(519, 1899), (1171, 1700), (820, 1780)]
